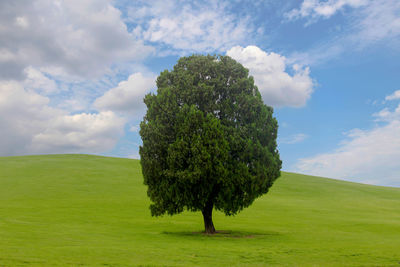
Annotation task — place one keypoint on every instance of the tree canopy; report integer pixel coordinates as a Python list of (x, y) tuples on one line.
[(209, 141)]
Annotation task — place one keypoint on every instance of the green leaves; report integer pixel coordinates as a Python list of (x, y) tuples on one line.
[(207, 138)]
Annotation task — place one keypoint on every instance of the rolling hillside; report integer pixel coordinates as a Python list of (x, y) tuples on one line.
[(71, 210)]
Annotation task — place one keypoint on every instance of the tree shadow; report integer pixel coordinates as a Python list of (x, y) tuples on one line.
[(231, 234)]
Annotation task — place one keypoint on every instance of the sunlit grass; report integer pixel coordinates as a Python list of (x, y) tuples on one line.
[(70, 210)]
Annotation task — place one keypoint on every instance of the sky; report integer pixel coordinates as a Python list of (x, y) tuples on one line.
[(73, 75)]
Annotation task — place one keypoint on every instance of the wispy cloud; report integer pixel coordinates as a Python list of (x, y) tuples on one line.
[(312, 10), (134, 128), (293, 139), (394, 96), (379, 20), (370, 156), (199, 26), (368, 23)]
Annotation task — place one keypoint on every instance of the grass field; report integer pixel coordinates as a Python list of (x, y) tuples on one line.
[(80, 210)]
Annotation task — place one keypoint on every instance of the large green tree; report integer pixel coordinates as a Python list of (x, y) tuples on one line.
[(208, 139)]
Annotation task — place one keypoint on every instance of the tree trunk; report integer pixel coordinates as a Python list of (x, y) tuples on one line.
[(207, 215)]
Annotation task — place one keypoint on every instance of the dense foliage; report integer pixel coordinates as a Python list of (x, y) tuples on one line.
[(208, 139)]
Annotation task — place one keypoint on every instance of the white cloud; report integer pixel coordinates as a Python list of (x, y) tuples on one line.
[(277, 87), (315, 9), (194, 27), (83, 132), (379, 20), (394, 96), (31, 126), (56, 57), (35, 79), (22, 22), (387, 115), (367, 156), (293, 139), (83, 38), (128, 96), (372, 22), (134, 128)]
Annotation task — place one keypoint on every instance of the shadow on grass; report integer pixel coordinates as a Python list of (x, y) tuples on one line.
[(225, 234)]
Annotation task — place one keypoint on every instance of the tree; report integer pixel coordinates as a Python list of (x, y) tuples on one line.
[(208, 139)]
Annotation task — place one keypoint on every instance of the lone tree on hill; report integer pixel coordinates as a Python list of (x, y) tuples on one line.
[(208, 139)]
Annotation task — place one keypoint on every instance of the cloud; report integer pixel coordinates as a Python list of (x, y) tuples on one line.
[(134, 128), (314, 9), (36, 80), (31, 126), (190, 27), (294, 139), (81, 38), (277, 87), (387, 115), (85, 132), (394, 96), (379, 20), (371, 23), (367, 156), (128, 96), (56, 58)]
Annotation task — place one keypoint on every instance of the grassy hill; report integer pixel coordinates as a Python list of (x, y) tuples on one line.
[(71, 210)]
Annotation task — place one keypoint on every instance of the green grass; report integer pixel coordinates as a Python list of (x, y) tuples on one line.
[(72, 210)]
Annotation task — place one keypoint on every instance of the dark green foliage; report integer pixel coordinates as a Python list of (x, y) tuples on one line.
[(208, 139)]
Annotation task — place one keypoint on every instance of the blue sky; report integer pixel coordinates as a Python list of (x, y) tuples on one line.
[(73, 75)]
